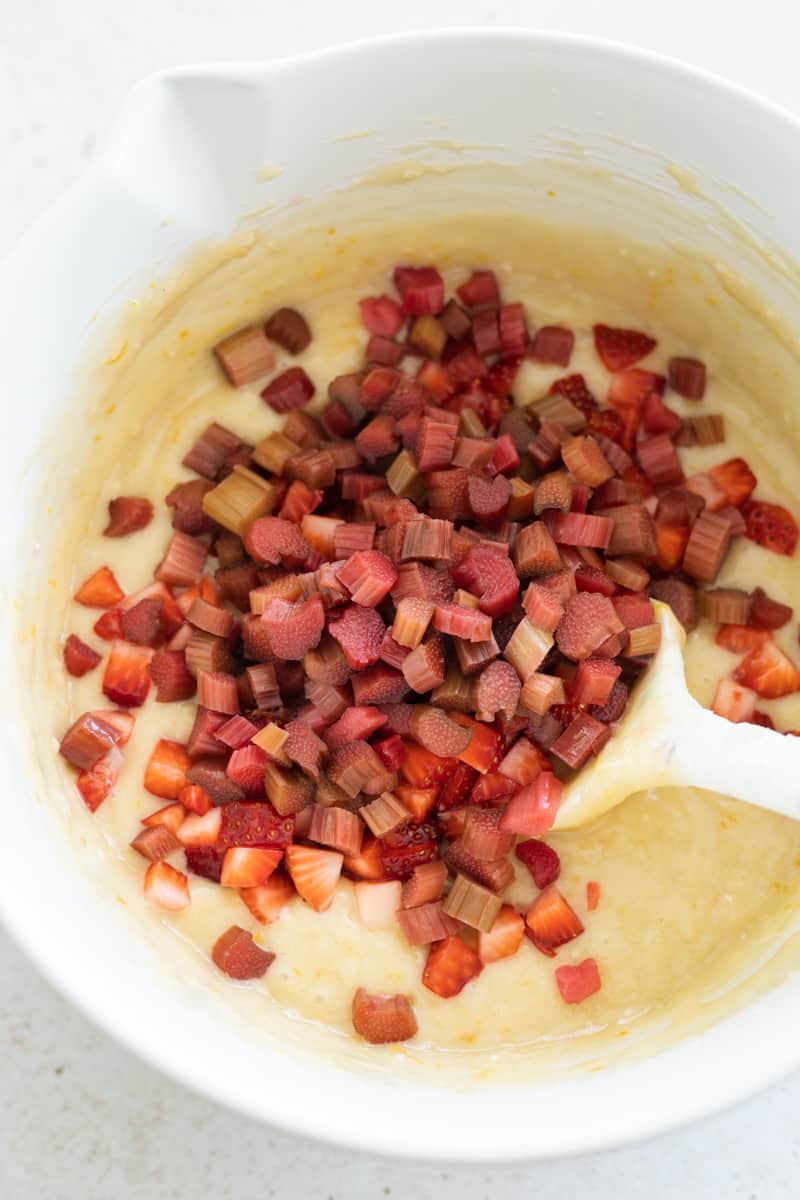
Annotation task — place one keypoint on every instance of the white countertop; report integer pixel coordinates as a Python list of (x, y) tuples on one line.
[(80, 1117)]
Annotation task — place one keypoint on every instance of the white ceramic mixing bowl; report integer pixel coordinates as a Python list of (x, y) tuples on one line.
[(185, 161)]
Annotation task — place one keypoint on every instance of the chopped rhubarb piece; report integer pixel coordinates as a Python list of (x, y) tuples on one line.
[(236, 954), (204, 652), (687, 377), (582, 529), (411, 621), (471, 904), (680, 596), (448, 494), (337, 828), (494, 875), (634, 610), (240, 499), (289, 791), (577, 983), (532, 811), (246, 768), (425, 538), (433, 729), (535, 552), (272, 453), (428, 336), (377, 902), (382, 315), (392, 652), (289, 329), (450, 965), (627, 573), (183, 563), (768, 671), (504, 939), (541, 860), (771, 526), (489, 500), (491, 576), (454, 321), (707, 547), (705, 430), (424, 885), (658, 419), (486, 332), (357, 768), (315, 874), (552, 921), (583, 737), (554, 491), (209, 773), (155, 843), (271, 739), (245, 355), (358, 722), (424, 667), (384, 814), (594, 681), (299, 499), (505, 457), (100, 590), (360, 632), (465, 623), (264, 686), (165, 773), (472, 656), (383, 1019), (483, 837), (79, 658), (212, 451), (127, 514), (272, 540), (528, 647), (540, 692), (553, 345), (558, 418), (369, 576), (291, 389), (621, 348), (293, 629), (126, 680), (585, 461), (659, 460), (202, 742), (497, 690), (381, 684), (165, 886), (427, 923), (634, 531), (766, 613), (266, 903), (593, 579), (217, 690), (435, 443), (248, 866), (727, 606), (542, 607), (421, 290), (734, 702), (480, 290)]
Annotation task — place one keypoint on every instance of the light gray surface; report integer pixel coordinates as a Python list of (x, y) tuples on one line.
[(79, 1117)]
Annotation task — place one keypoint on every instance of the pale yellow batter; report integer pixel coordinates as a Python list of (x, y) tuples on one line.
[(694, 887)]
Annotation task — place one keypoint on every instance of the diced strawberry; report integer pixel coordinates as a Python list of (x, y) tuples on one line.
[(315, 874), (100, 590), (367, 863), (382, 315), (504, 938), (383, 1019), (109, 625), (79, 658), (267, 902), (254, 823), (577, 983), (127, 514), (449, 967), (165, 886), (768, 671), (657, 418), (593, 893), (771, 526), (236, 954), (766, 613), (95, 783), (740, 639), (126, 680), (457, 785), (201, 829), (735, 479), (541, 860), (408, 847), (490, 575), (734, 702), (165, 773), (552, 921), (378, 902), (195, 799), (421, 289), (171, 815), (289, 390), (486, 747), (621, 348), (248, 866), (532, 811)]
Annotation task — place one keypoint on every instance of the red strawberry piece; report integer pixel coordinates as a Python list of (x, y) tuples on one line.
[(391, 750), (553, 344), (408, 847), (289, 390), (237, 955), (383, 1019), (367, 863), (541, 860), (768, 671), (254, 823), (577, 983), (205, 861), (766, 613), (532, 811), (122, 722), (621, 348), (489, 499), (165, 773), (186, 499), (247, 866), (504, 938), (657, 418), (271, 540), (87, 740), (359, 631), (469, 624), (369, 576), (552, 921), (497, 690), (502, 374), (482, 836), (457, 786), (491, 576), (480, 290), (79, 658), (425, 885), (593, 893), (165, 886), (100, 590), (608, 423), (486, 746), (381, 315), (196, 829), (735, 479), (449, 967), (293, 629), (96, 783), (109, 625), (315, 874), (421, 289), (771, 526), (574, 389), (126, 680), (492, 788), (763, 719), (267, 902), (195, 799), (127, 514)]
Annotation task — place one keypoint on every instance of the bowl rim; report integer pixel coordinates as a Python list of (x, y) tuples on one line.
[(30, 936)]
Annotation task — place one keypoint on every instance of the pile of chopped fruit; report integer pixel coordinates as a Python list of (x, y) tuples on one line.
[(407, 617)]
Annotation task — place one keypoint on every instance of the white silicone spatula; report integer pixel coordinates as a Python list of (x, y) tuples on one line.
[(666, 739)]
